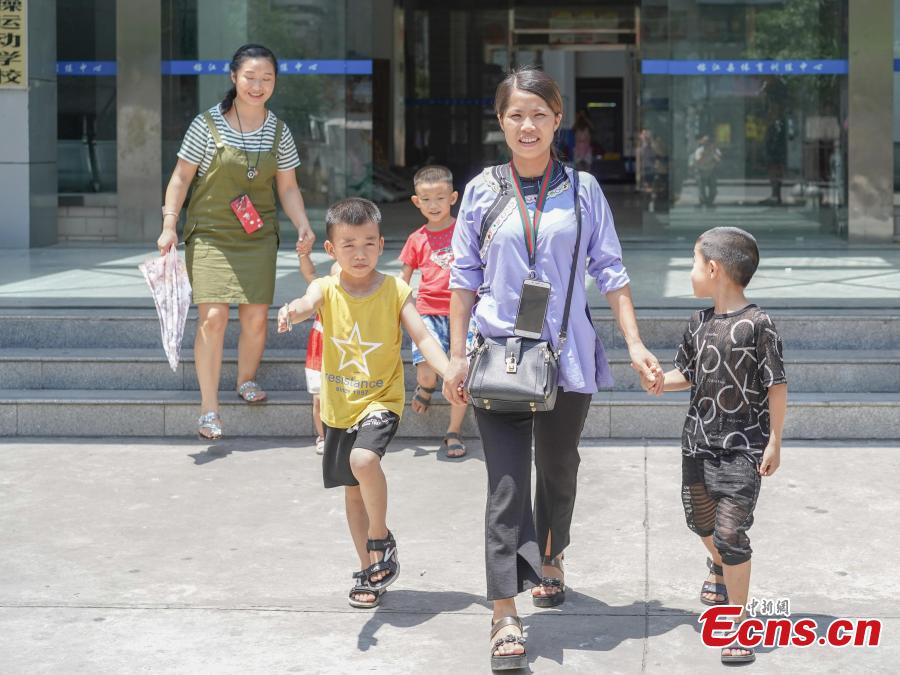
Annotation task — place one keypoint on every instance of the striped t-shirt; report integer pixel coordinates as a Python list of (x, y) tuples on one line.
[(199, 146)]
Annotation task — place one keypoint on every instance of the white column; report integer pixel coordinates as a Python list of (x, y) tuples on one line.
[(138, 119), (870, 161)]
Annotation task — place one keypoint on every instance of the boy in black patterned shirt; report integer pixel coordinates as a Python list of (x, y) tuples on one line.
[(731, 360)]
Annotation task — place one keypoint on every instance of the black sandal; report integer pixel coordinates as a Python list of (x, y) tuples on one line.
[(458, 445), (362, 586), (508, 661), (749, 657), (557, 598), (710, 587), (424, 402), (389, 562)]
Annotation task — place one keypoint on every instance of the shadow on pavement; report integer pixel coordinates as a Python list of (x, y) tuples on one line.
[(222, 448), (473, 450), (587, 624), (408, 608)]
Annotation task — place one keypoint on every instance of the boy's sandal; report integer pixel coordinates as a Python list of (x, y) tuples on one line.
[(456, 445), (553, 599), (389, 563), (251, 392), (713, 588), (748, 655), (421, 400), (209, 426), (508, 661), (362, 586)]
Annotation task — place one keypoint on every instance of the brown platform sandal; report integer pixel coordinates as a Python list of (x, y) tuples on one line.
[(558, 598), (508, 661)]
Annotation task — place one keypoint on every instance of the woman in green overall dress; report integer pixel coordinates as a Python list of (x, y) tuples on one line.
[(236, 148)]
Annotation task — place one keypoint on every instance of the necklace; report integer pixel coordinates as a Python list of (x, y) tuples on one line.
[(251, 170)]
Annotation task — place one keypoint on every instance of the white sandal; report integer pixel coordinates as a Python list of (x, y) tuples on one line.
[(252, 393), (209, 426)]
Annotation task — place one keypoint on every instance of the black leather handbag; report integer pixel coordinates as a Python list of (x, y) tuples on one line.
[(517, 374)]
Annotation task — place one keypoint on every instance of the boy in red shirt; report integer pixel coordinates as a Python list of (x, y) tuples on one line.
[(428, 250)]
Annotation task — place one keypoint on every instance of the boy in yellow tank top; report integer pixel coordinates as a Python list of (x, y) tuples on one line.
[(362, 392)]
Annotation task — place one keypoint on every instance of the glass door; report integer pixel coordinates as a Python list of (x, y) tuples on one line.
[(591, 52)]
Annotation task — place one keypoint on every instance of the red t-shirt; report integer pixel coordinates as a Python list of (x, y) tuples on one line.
[(431, 254), (314, 346)]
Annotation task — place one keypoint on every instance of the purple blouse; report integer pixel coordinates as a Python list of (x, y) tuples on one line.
[(496, 270)]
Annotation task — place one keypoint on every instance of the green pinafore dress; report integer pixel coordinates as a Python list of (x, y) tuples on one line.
[(225, 264)]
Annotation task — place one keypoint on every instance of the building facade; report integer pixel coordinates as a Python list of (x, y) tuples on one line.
[(778, 115)]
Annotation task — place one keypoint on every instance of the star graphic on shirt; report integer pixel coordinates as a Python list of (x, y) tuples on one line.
[(355, 347)]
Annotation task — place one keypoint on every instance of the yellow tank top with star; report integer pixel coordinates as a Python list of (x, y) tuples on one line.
[(362, 370)]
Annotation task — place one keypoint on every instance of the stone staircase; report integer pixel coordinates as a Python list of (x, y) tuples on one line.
[(70, 372)]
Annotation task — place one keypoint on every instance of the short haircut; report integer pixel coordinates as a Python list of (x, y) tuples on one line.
[(433, 173), (351, 211), (734, 249)]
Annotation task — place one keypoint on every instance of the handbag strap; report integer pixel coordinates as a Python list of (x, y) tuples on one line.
[(564, 326)]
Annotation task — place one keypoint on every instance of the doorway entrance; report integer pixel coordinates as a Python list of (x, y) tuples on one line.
[(456, 57)]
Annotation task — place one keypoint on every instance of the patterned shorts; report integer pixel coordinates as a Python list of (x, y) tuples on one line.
[(439, 327), (719, 497), (373, 433)]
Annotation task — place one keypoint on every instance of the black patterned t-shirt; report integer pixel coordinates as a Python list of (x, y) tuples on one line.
[(731, 360)]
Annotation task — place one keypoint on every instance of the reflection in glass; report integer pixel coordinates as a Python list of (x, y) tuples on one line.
[(762, 151), (330, 116), (86, 106)]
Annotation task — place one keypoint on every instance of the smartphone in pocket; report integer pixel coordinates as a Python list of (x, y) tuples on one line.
[(532, 309)]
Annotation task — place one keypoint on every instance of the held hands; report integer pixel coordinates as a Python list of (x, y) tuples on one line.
[(771, 459), (305, 240), (284, 319), (652, 387), (454, 378), (647, 366)]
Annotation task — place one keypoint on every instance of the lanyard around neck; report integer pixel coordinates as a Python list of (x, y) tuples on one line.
[(531, 227)]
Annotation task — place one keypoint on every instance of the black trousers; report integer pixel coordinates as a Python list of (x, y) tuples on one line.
[(516, 538)]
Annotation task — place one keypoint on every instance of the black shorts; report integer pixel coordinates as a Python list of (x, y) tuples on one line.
[(373, 433)]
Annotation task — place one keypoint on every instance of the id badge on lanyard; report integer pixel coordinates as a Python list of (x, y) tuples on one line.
[(534, 298)]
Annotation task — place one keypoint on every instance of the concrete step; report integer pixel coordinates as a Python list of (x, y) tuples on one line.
[(660, 329), (613, 415), (816, 370)]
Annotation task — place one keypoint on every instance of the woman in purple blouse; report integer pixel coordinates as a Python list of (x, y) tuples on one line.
[(525, 550)]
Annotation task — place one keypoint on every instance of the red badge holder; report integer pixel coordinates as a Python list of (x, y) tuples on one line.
[(247, 214)]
